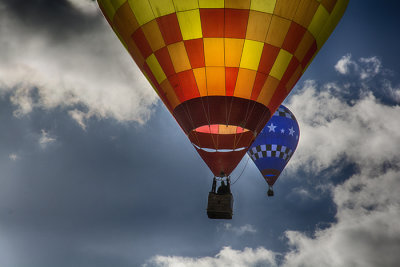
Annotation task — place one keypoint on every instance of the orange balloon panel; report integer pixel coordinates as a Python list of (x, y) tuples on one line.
[(222, 63)]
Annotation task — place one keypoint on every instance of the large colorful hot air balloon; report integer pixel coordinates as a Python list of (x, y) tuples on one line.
[(275, 145), (222, 67)]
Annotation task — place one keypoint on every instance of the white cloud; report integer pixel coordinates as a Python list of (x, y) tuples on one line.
[(370, 67), (89, 71), (344, 64), (367, 232), (391, 91), (363, 132), (247, 228), (87, 6), (45, 139), (364, 68), (80, 117), (226, 257), (13, 156), (305, 194)]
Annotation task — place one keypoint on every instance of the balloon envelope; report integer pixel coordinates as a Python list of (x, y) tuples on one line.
[(275, 145), (222, 67)]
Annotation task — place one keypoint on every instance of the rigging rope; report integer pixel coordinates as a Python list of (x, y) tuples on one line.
[(248, 158)]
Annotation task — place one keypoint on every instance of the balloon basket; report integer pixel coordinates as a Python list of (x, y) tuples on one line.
[(270, 192), (220, 206)]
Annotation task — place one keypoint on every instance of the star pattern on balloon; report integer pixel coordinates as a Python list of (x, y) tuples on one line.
[(271, 127)]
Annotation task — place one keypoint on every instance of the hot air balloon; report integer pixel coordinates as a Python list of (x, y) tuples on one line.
[(222, 67), (275, 145)]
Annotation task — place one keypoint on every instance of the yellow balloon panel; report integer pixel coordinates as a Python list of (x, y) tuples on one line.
[(251, 54)]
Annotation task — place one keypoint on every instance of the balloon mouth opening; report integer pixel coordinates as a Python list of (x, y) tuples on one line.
[(212, 150), (218, 134), (220, 129)]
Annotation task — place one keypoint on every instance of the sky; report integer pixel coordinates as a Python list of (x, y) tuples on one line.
[(96, 172)]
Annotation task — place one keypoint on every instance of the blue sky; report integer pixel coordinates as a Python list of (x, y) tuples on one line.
[(96, 172)]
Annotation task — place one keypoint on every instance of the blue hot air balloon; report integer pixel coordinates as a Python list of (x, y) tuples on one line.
[(275, 145)]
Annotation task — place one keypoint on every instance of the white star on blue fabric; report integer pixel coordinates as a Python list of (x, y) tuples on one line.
[(282, 131), (271, 127), (291, 131)]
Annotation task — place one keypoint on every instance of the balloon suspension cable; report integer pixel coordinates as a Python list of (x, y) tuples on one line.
[(248, 157)]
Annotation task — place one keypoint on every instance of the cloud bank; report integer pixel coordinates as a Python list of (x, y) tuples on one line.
[(363, 131), (226, 257)]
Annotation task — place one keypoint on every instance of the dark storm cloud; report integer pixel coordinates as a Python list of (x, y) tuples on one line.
[(57, 18), (63, 54)]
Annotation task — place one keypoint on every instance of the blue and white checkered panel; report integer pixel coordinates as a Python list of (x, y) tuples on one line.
[(270, 150), (284, 112)]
